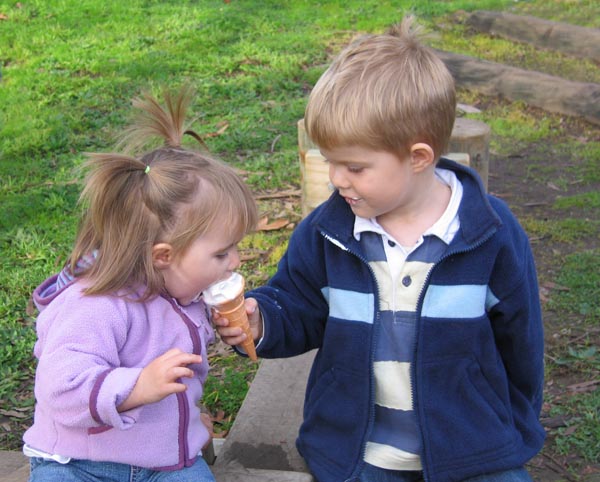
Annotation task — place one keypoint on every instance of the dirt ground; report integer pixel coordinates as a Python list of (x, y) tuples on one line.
[(529, 195)]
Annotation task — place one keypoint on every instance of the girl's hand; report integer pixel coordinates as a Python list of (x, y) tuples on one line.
[(159, 378), (235, 335)]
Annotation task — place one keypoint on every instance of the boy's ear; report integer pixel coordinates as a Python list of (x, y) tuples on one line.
[(162, 255), (421, 156)]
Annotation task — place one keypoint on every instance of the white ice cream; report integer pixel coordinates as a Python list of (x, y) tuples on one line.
[(225, 290)]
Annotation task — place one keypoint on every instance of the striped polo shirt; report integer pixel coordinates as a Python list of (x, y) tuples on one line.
[(401, 272)]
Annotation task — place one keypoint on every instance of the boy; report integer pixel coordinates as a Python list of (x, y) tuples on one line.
[(418, 289)]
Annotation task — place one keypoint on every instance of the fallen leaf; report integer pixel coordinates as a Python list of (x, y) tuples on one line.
[(554, 422), (224, 126), (31, 309), (590, 470), (12, 414), (583, 386), (219, 416), (468, 109), (554, 286), (265, 225), (279, 194)]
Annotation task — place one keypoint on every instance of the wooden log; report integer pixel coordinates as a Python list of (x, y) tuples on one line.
[(314, 173), (553, 94), (562, 37), (472, 137)]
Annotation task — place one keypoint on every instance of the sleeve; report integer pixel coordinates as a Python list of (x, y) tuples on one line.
[(79, 378), (292, 304), (518, 326)]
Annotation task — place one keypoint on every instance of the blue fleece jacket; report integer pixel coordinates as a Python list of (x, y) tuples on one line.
[(478, 354)]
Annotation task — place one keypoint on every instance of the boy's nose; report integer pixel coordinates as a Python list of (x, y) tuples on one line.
[(336, 177)]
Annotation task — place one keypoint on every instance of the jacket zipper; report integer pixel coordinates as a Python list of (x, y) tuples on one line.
[(413, 371), (182, 400), (363, 449), (185, 419)]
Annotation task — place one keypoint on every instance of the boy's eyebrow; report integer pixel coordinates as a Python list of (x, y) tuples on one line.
[(344, 161)]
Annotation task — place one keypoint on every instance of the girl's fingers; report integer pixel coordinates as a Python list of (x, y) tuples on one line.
[(176, 357), (181, 372)]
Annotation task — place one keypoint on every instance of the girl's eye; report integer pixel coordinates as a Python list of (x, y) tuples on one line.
[(355, 169), (223, 255)]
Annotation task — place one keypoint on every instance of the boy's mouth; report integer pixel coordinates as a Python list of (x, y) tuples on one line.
[(352, 200)]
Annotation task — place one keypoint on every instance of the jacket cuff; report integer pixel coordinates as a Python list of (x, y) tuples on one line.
[(110, 390)]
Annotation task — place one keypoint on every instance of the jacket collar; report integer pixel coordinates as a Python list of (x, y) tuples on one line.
[(478, 220)]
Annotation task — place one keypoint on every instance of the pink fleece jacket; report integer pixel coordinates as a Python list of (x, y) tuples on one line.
[(91, 350)]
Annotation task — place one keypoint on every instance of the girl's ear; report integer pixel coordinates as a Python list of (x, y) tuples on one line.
[(162, 255), (421, 156)]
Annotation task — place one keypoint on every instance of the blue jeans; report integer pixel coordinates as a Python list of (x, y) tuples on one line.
[(88, 471), (375, 474)]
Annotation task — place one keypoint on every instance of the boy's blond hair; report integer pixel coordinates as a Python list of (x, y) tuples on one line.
[(170, 194), (384, 92)]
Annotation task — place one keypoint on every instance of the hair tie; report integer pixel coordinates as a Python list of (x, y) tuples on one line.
[(147, 170)]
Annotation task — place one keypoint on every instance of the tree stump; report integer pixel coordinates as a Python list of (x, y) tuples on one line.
[(314, 172), (472, 137)]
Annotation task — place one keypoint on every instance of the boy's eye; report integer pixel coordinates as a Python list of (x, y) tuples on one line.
[(222, 255), (355, 168)]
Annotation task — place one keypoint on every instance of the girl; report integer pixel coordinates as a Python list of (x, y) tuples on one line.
[(123, 330)]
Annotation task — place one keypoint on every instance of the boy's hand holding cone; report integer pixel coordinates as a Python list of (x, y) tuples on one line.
[(227, 298)]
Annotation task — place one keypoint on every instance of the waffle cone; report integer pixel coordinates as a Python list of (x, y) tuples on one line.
[(235, 311)]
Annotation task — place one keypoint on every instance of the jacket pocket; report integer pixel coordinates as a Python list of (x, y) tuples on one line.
[(335, 418), (324, 383), (464, 417)]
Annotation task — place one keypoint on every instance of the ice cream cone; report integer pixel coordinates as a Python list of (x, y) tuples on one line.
[(235, 311)]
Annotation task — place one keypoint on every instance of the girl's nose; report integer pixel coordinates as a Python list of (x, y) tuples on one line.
[(234, 259)]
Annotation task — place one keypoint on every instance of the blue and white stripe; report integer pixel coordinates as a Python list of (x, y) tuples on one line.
[(394, 442)]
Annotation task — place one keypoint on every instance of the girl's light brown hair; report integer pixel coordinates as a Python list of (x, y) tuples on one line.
[(170, 194), (384, 92)]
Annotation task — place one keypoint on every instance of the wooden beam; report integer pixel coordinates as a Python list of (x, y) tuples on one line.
[(570, 39), (553, 94)]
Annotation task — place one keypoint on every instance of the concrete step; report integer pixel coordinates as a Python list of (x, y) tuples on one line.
[(14, 466), (234, 472), (264, 433)]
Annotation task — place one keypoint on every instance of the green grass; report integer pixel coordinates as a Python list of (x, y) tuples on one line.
[(585, 201), (580, 274), (226, 387), (569, 230), (582, 433), (69, 71)]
